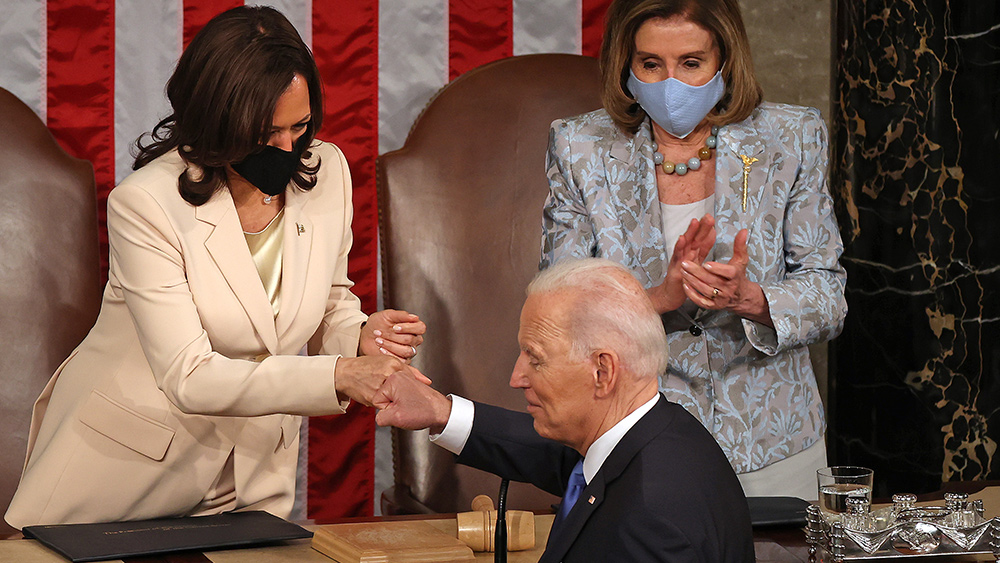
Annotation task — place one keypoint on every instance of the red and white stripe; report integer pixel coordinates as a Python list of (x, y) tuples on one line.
[(95, 72)]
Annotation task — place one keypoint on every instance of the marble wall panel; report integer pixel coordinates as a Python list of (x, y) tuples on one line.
[(915, 169), (792, 48)]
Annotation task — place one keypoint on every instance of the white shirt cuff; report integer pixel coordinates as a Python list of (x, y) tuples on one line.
[(459, 426)]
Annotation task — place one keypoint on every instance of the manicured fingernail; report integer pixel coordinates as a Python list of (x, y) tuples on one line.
[(379, 341), (708, 266), (397, 328), (384, 351), (377, 332), (686, 264)]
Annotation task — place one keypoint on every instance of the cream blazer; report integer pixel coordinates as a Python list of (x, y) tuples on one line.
[(187, 363)]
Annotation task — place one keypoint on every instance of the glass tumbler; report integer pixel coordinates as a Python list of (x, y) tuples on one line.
[(838, 483)]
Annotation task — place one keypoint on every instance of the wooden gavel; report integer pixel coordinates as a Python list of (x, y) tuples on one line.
[(477, 528)]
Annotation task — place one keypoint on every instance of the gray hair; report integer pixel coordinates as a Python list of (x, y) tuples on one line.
[(611, 311)]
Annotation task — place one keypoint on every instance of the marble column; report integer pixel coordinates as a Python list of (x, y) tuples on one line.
[(915, 171)]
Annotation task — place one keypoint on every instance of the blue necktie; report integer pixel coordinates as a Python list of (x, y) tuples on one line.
[(573, 489)]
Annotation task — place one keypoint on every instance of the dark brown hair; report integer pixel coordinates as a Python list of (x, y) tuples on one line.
[(223, 94), (721, 18)]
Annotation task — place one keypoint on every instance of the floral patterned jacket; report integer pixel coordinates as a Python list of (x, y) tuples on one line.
[(752, 386)]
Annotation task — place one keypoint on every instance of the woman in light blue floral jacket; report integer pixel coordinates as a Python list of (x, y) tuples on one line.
[(718, 204)]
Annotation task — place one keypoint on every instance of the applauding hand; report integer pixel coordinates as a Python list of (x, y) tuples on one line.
[(714, 285), (693, 246)]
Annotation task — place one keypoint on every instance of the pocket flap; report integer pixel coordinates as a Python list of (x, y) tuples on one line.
[(136, 432)]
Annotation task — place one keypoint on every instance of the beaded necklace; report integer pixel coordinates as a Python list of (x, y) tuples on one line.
[(693, 163)]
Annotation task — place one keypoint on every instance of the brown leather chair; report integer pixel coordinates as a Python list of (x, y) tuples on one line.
[(460, 217), (49, 271)]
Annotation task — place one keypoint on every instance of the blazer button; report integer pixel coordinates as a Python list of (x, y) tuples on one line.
[(695, 330)]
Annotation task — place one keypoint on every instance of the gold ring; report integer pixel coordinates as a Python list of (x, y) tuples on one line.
[(715, 292)]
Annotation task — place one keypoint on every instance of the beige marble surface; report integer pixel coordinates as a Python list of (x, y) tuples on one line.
[(792, 46)]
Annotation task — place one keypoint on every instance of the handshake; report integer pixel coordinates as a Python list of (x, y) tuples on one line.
[(381, 375), (401, 393)]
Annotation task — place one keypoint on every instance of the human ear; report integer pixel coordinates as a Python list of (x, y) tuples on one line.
[(607, 369)]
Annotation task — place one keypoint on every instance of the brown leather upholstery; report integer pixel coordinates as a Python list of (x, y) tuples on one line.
[(49, 271), (461, 207)]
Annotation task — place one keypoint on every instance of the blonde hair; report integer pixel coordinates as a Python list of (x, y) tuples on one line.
[(721, 18)]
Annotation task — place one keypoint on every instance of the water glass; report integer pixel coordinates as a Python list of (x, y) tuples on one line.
[(838, 483)]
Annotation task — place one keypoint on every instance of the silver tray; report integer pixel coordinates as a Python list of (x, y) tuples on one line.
[(925, 537)]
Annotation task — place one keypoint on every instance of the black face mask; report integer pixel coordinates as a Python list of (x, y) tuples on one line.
[(269, 170)]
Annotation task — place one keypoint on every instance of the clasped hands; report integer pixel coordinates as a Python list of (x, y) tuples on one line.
[(381, 377), (405, 399), (709, 285), (389, 340), (406, 402)]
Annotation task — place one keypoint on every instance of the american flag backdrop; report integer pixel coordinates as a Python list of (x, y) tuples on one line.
[(95, 70)]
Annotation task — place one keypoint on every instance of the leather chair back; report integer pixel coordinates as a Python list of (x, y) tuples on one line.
[(49, 274), (460, 216)]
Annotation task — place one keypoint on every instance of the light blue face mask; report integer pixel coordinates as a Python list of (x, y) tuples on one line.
[(674, 105)]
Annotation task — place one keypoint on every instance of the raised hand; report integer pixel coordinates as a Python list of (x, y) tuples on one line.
[(392, 333), (715, 285), (693, 246)]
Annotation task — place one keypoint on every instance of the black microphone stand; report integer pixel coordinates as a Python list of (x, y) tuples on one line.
[(500, 536)]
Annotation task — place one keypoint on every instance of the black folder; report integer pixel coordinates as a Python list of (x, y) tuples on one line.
[(118, 540), (768, 512)]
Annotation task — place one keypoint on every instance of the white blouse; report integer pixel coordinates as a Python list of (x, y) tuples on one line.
[(677, 217)]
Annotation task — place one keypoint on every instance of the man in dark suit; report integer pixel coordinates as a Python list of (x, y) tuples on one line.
[(641, 479)]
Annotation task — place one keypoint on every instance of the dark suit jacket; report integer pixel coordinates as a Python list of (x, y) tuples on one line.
[(665, 493)]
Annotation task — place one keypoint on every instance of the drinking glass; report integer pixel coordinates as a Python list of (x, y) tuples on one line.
[(838, 483)]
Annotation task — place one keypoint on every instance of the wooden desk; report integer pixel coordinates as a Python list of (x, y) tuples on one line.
[(299, 551), (779, 545), (772, 545)]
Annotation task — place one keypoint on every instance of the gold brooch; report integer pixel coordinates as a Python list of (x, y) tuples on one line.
[(747, 161)]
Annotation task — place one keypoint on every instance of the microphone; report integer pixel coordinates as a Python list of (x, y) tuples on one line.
[(500, 538)]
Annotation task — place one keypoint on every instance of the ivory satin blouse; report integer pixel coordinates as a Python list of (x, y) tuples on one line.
[(265, 248)]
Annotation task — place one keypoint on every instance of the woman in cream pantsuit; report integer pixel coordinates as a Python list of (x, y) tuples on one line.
[(717, 202), (185, 397)]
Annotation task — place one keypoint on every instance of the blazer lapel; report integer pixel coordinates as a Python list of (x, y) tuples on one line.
[(228, 248), (644, 430), (631, 181), (298, 237)]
